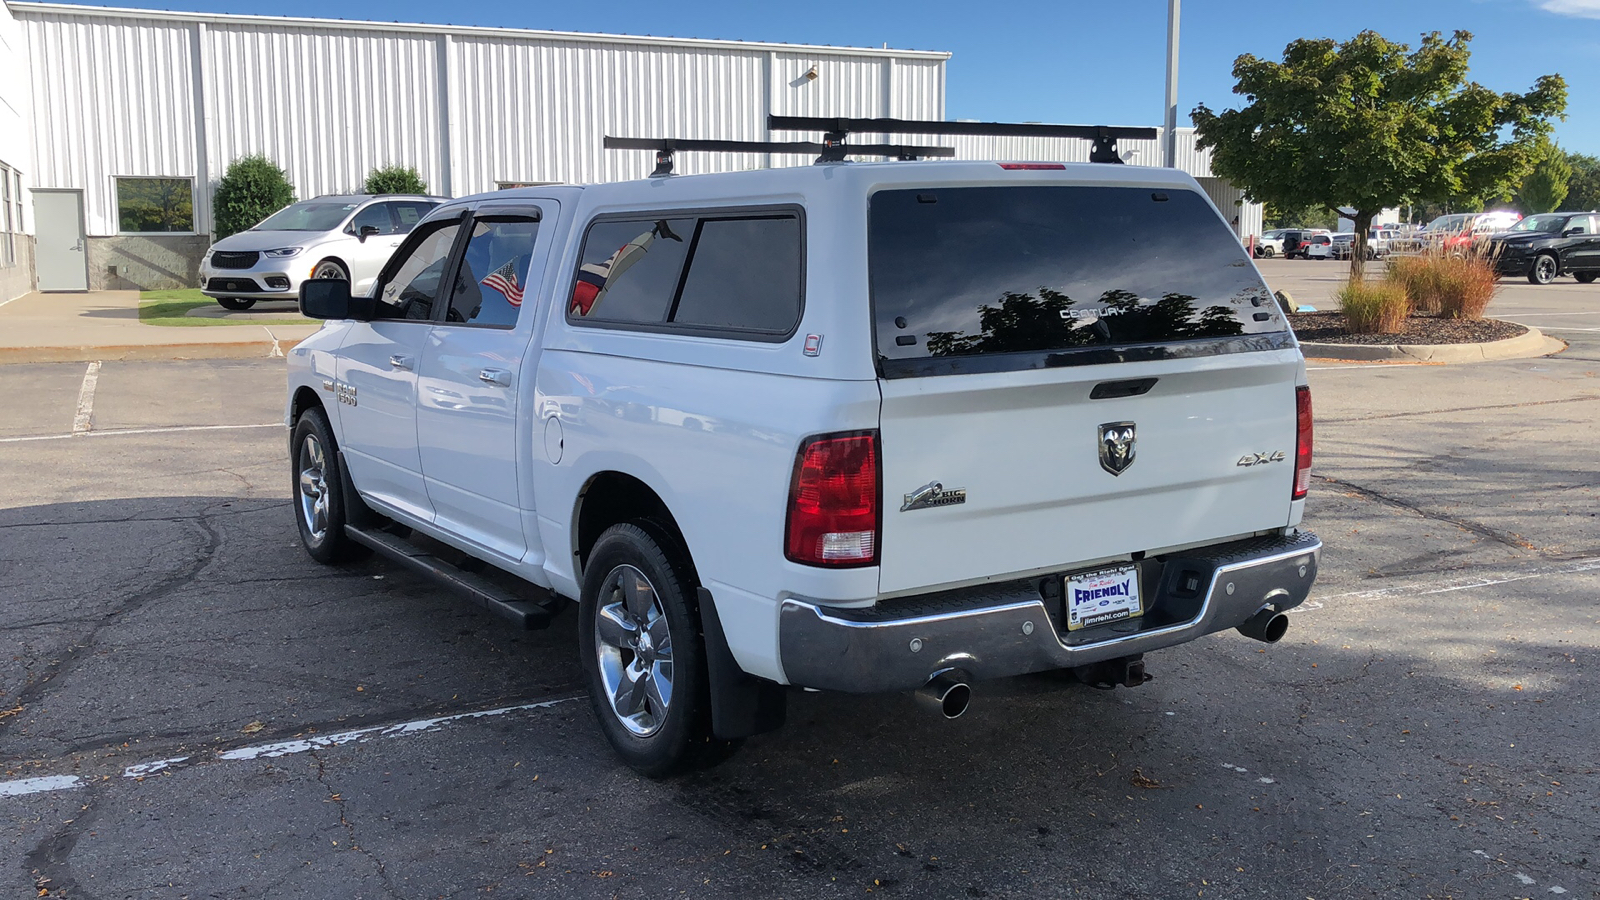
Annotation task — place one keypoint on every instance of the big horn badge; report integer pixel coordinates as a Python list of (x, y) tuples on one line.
[(1116, 446)]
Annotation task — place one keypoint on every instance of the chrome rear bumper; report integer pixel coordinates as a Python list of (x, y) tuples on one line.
[(1017, 627)]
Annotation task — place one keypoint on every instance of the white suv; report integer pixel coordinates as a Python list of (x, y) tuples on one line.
[(850, 427), (342, 236)]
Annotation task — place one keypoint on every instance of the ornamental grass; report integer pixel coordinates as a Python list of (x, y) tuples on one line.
[(1456, 286), (1374, 307)]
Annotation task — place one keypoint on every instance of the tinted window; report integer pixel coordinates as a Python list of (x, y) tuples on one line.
[(410, 291), (629, 270), (494, 273), (745, 274), (375, 216), (409, 212), (960, 272)]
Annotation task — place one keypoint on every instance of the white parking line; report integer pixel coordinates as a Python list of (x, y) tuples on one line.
[(82, 421), (23, 786), (1450, 585), (126, 431)]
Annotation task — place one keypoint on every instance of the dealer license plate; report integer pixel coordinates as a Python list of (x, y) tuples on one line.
[(1109, 595)]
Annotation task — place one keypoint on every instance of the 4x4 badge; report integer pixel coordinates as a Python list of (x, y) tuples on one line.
[(1116, 446)]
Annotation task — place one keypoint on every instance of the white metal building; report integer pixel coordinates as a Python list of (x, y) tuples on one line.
[(117, 123)]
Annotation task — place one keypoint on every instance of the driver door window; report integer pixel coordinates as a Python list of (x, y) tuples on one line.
[(491, 283), (409, 293)]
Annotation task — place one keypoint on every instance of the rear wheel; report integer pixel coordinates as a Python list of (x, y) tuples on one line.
[(235, 303), (1267, 252), (1544, 269), (643, 657), (1585, 277)]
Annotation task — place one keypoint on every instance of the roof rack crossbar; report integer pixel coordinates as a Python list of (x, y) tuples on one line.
[(1103, 137), (666, 148)]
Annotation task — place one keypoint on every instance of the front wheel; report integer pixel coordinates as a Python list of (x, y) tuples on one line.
[(331, 269), (1585, 277), (1267, 252), (237, 304), (643, 659), (1544, 269), (318, 491)]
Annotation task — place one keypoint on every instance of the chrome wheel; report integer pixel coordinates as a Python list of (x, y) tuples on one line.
[(634, 649), (313, 466), (330, 269)]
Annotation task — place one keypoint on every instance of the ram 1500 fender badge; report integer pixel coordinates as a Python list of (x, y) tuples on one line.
[(933, 494), (1256, 459), (1116, 446)]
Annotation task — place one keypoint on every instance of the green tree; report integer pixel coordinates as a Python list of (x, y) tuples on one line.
[(1546, 186), (1275, 216), (1368, 124), (1583, 188), (394, 180), (250, 190)]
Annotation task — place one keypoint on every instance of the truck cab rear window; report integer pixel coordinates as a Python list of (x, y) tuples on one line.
[(998, 278)]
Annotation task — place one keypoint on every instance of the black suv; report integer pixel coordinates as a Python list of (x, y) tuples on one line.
[(1546, 245)]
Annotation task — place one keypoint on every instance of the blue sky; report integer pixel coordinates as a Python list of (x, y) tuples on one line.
[(1077, 61)]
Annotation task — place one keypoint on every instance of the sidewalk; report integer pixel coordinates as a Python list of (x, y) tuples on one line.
[(105, 325)]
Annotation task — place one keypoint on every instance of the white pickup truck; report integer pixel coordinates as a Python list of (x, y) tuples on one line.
[(851, 427)]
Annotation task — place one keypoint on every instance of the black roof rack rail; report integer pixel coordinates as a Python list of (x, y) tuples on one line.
[(1104, 137), (665, 148)]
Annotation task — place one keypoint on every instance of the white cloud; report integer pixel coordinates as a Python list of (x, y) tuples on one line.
[(1584, 9)]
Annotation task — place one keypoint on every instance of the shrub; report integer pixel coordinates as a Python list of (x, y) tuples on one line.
[(1456, 287), (250, 190), (394, 180), (1374, 307)]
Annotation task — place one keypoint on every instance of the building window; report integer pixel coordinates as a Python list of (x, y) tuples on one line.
[(155, 205), (10, 215)]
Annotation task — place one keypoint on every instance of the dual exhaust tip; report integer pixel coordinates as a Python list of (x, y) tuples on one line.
[(949, 691)]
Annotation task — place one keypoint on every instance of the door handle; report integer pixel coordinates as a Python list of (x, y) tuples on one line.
[(495, 376), (400, 362)]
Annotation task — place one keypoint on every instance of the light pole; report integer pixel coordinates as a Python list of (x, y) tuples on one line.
[(1169, 136)]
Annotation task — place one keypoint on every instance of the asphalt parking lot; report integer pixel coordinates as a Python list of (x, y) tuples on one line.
[(189, 707)]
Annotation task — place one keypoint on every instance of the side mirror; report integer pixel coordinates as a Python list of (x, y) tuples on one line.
[(366, 232), (329, 298), (1572, 231)]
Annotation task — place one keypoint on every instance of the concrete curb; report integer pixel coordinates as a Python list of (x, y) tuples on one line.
[(256, 349), (1523, 346)]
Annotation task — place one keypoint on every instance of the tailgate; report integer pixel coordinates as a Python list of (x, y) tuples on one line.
[(1028, 457)]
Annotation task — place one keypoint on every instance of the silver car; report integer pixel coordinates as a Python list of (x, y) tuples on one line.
[(348, 236)]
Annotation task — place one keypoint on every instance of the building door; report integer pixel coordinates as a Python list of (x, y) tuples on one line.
[(60, 258)]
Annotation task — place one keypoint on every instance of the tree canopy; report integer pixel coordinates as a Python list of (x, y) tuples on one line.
[(1547, 183), (394, 179), (251, 189), (1369, 124), (1583, 187)]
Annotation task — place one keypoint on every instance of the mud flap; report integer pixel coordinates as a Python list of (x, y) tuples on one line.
[(742, 705)]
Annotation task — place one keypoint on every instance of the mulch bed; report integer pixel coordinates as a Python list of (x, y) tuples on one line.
[(1329, 328)]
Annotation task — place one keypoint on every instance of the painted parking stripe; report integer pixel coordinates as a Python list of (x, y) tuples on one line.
[(1450, 585), (21, 787), (121, 432), (83, 419), (24, 786)]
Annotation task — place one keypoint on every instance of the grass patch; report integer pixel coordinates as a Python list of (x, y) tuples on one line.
[(1374, 307), (170, 308)]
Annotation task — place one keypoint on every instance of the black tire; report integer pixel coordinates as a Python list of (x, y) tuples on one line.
[(1544, 270), (1585, 277), (656, 742), (331, 269), (238, 304), (1268, 252), (316, 484)]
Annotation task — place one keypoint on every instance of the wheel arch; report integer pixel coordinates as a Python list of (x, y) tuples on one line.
[(609, 498), (334, 258)]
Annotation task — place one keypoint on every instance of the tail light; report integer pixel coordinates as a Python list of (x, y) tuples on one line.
[(833, 502), (1302, 442)]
